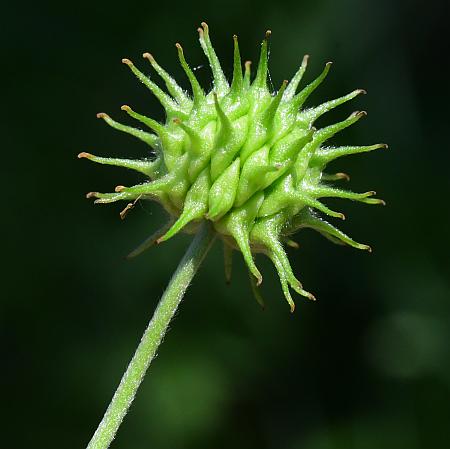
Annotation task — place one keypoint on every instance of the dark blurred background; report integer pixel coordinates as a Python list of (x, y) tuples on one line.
[(366, 366)]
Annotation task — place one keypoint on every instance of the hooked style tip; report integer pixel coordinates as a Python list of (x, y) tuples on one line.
[(247, 64), (118, 189), (358, 114), (91, 194), (341, 216), (125, 107), (177, 120), (361, 91), (205, 27), (367, 248), (83, 154), (127, 62), (102, 115), (305, 59), (180, 48), (344, 176), (148, 56), (268, 34), (384, 145)]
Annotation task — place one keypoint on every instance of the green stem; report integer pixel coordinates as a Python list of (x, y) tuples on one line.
[(151, 339)]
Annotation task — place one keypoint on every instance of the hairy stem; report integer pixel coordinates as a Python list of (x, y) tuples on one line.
[(151, 339)]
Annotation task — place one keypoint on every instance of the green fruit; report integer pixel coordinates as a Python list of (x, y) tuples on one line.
[(248, 160)]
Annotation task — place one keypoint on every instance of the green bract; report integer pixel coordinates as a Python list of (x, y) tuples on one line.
[(248, 160)]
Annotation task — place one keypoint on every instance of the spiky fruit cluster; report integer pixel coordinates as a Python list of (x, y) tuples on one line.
[(248, 160)]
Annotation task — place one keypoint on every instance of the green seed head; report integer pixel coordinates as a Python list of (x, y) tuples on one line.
[(248, 160)]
